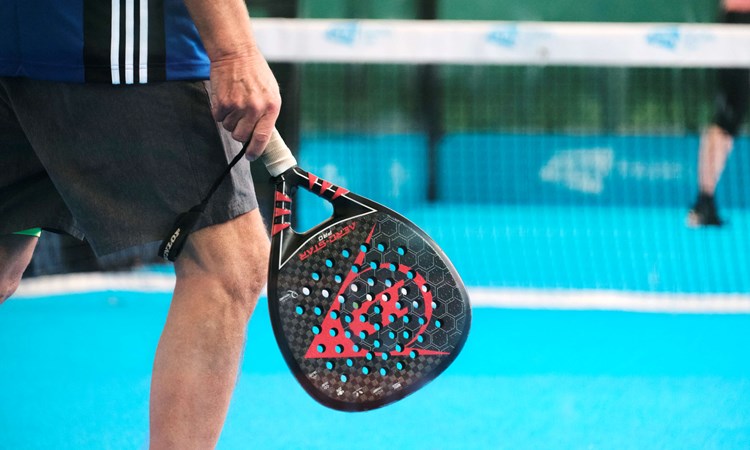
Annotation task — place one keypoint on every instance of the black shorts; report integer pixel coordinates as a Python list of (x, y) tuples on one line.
[(114, 164), (733, 87)]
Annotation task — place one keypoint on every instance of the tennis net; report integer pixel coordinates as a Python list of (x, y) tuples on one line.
[(539, 155), (553, 162)]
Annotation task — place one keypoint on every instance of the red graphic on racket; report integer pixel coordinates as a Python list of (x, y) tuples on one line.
[(365, 307)]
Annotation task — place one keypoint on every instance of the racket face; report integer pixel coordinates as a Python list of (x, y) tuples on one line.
[(365, 307)]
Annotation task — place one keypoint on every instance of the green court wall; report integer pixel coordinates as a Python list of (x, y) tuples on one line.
[(546, 10)]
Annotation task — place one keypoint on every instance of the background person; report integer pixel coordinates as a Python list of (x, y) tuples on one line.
[(718, 139)]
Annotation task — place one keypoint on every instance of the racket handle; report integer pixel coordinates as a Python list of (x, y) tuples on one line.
[(277, 157)]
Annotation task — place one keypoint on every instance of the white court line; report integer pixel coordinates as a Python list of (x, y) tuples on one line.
[(562, 299), (80, 283), (610, 300)]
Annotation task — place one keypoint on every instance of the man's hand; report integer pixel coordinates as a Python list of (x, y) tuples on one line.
[(245, 98), (244, 93)]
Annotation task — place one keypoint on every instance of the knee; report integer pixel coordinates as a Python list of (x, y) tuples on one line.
[(8, 284), (230, 261), (233, 286), (719, 138), (15, 255), (244, 273)]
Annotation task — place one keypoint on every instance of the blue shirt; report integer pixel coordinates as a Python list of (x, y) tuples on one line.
[(112, 41)]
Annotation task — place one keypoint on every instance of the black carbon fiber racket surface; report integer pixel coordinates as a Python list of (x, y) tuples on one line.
[(365, 307)]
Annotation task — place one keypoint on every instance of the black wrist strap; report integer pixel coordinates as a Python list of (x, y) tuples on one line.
[(171, 247)]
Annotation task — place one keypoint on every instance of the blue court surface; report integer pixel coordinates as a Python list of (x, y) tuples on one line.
[(75, 375), (600, 320)]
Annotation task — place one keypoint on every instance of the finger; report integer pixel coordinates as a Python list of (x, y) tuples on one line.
[(261, 136), (231, 121), (219, 110), (244, 129)]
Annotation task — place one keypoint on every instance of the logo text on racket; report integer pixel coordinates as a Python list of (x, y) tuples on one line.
[(327, 239)]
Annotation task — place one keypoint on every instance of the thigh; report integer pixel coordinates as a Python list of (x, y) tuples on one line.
[(128, 159)]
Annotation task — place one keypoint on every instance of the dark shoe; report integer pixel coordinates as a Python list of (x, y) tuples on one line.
[(704, 213)]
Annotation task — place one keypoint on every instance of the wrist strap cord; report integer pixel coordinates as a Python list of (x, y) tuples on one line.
[(171, 247)]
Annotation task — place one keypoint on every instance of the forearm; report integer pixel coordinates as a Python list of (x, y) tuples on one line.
[(224, 27)]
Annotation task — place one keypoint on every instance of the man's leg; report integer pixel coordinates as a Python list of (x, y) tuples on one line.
[(716, 144), (15, 254), (220, 275)]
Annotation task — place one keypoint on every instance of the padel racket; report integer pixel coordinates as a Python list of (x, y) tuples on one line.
[(365, 306)]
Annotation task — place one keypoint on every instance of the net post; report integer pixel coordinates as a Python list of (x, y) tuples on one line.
[(430, 104)]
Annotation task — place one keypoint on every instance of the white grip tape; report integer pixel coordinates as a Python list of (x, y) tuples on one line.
[(277, 157)]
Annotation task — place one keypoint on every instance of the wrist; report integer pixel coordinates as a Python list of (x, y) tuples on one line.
[(233, 52)]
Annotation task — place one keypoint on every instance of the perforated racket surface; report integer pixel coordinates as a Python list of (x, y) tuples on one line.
[(365, 306)]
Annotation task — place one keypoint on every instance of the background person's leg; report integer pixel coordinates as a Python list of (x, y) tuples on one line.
[(716, 144), (220, 275), (732, 101), (15, 254)]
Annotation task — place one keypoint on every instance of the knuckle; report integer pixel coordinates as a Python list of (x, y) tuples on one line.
[(233, 105), (256, 106), (274, 107)]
